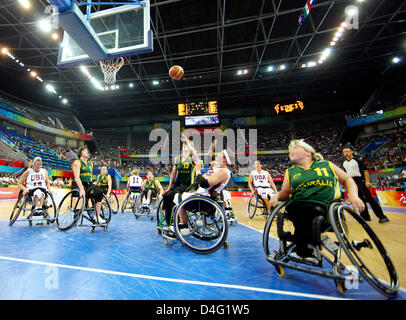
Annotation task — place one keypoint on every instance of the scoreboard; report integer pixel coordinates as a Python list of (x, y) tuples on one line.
[(197, 108)]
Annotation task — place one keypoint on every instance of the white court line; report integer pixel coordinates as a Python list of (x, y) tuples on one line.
[(201, 283)]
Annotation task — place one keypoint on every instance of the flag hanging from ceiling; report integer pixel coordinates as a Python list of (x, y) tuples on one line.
[(306, 11)]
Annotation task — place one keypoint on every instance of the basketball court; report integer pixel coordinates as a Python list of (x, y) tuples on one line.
[(105, 47), (131, 262)]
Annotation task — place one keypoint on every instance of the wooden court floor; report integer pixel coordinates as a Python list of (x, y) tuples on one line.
[(391, 234)]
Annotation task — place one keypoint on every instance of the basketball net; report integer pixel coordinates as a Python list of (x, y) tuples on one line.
[(110, 68)]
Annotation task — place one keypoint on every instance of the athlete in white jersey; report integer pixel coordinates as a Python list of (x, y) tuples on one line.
[(261, 181), (135, 182), (32, 178)]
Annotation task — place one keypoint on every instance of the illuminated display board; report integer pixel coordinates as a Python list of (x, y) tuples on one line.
[(289, 107), (197, 108)]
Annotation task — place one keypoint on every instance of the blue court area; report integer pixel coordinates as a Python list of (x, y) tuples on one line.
[(131, 261)]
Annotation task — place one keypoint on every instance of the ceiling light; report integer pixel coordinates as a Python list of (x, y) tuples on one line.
[(55, 36), (396, 60), (131, 85), (4, 51), (271, 68), (282, 67), (64, 100), (311, 64), (155, 82), (351, 11), (33, 74), (44, 25), (25, 4), (50, 88)]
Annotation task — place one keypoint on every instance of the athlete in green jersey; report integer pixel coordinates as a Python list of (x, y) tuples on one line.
[(311, 182), (104, 181), (83, 180), (151, 188)]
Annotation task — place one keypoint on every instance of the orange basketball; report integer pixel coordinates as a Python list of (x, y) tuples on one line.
[(176, 72)]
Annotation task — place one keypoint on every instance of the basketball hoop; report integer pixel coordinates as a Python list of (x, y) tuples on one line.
[(110, 68)]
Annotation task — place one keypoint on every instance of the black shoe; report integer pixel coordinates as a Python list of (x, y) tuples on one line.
[(366, 218), (384, 220)]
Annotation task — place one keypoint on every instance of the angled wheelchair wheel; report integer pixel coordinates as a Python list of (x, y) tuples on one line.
[(69, 210), (364, 249), (50, 208), (207, 225), (106, 210), (114, 203), (256, 205), (278, 233), (18, 208), (136, 207), (124, 206), (160, 214)]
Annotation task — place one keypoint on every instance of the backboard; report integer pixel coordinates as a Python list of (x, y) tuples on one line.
[(117, 32)]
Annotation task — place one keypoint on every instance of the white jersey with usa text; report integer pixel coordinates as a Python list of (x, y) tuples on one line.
[(260, 179), (135, 182), (36, 179), (219, 187)]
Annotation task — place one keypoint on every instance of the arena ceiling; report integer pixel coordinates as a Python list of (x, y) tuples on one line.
[(212, 40)]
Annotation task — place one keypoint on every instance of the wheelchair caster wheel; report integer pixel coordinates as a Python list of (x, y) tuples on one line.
[(158, 231), (165, 241), (226, 245), (92, 229), (280, 271)]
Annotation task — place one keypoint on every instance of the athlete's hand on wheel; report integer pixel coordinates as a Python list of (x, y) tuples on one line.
[(82, 193), (274, 201), (355, 201)]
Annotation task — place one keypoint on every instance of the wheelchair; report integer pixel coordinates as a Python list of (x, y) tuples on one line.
[(114, 203), (74, 210), (337, 230), (256, 205), (207, 222), (131, 200), (24, 206), (141, 210)]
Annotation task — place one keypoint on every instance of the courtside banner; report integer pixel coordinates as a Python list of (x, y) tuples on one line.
[(392, 198), (9, 193)]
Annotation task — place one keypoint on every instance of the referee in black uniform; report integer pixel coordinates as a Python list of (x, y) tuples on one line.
[(357, 170)]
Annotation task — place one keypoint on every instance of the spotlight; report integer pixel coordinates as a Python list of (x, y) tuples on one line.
[(33, 74), (4, 51), (271, 68), (396, 60), (64, 101), (44, 25), (55, 36), (282, 67), (155, 82), (25, 4)]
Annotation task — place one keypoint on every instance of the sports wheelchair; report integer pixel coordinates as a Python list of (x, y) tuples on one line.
[(256, 205), (25, 205), (131, 200), (334, 231), (73, 210), (207, 224), (142, 210), (114, 203)]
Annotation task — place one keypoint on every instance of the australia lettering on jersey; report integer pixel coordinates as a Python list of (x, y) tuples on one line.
[(313, 183)]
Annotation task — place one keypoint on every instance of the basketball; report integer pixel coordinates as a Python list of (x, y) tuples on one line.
[(176, 72)]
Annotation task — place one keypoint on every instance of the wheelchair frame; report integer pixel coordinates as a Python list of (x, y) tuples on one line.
[(84, 212), (340, 272), (258, 199), (23, 201), (132, 202), (201, 221)]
